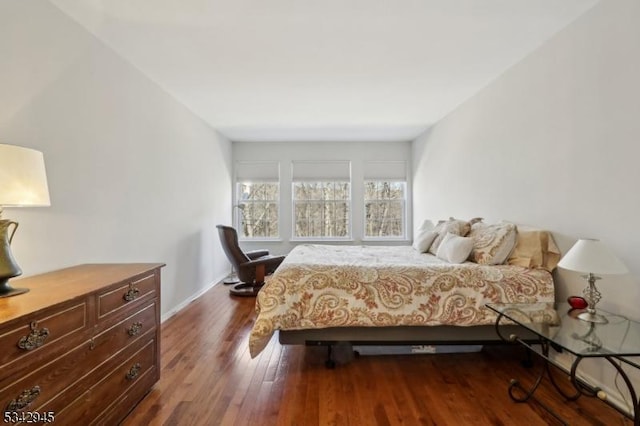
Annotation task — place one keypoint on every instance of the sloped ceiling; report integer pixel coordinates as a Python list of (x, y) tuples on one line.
[(323, 70)]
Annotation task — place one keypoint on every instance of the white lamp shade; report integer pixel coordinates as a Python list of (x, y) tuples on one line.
[(23, 178), (592, 256)]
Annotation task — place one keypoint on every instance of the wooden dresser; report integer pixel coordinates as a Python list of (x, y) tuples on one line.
[(82, 346)]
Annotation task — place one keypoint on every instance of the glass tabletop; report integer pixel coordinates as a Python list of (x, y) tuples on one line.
[(559, 324)]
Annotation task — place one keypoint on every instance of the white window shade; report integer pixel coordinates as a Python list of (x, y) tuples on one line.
[(385, 170), (321, 171), (257, 171)]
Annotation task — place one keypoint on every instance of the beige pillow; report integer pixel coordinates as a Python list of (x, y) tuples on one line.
[(424, 240), (475, 220), (492, 244), (455, 226), (535, 248), (454, 248)]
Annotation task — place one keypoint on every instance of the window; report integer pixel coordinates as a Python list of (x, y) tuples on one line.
[(321, 209), (257, 200), (321, 192), (258, 209), (385, 195), (384, 206)]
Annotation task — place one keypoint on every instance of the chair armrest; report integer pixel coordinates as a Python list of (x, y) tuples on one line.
[(265, 260), (255, 270), (254, 254), (267, 263)]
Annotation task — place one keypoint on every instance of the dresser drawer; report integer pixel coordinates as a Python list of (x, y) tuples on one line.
[(118, 337), (126, 295), (40, 332), (45, 382), (127, 402), (122, 386), (127, 374)]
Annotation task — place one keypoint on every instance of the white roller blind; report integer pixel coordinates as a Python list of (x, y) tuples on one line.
[(391, 170), (257, 171), (321, 170)]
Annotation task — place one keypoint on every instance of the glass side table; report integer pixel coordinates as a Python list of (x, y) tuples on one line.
[(557, 326)]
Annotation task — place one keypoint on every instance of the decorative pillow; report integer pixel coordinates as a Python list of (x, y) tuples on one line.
[(427, 225), (475, 220), (535, 248), (424, 240), (492, 244), (454, 248), (455, 226)]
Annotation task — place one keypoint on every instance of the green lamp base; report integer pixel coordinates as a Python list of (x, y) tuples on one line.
[(7, 291), (8, 266), (14, 292)]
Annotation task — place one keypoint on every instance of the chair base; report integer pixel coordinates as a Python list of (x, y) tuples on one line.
[(245, 290)]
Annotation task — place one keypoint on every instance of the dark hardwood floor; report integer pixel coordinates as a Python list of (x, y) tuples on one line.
[(208, 378)]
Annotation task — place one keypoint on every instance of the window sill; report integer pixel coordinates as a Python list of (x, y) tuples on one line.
[(321, 240), (386, 240)]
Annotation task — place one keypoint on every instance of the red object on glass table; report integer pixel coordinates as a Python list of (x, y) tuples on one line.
[(577, 302)]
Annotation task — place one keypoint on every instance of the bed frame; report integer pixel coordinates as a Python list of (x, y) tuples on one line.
[(401, 336)]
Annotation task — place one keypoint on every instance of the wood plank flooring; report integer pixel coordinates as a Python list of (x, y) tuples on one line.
[(208, 378)]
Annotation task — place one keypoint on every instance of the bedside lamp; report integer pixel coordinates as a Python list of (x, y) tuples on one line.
[(592, 257), (23, 183)]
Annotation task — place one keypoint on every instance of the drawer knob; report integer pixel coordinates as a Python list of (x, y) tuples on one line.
[(35, 339), (133, 371), (24, 399), (135, 328), (132, 293)]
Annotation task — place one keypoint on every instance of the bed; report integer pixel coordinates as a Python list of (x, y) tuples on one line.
[(325, 294)]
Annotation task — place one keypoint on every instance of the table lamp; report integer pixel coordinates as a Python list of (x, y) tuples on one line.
[(592, 257), (23, 183)]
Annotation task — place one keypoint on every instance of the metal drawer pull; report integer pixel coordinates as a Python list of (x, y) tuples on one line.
[(131, 294), (135, 328), (133, 371), (35, 339), (24, 399)]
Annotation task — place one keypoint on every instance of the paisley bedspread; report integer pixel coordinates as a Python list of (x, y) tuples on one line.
[(319, 286)]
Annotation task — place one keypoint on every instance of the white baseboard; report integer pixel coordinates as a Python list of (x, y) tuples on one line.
[(193, 297)]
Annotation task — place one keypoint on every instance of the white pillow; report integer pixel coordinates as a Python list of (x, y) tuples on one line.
[(423, 241), (455, 226), (427, 225), (454, 248)]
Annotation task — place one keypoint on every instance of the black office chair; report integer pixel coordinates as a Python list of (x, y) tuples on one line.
[(251, 266)]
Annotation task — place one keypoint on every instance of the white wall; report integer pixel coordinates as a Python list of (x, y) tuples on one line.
[(286, 152), (553, 143), (133, 175)]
